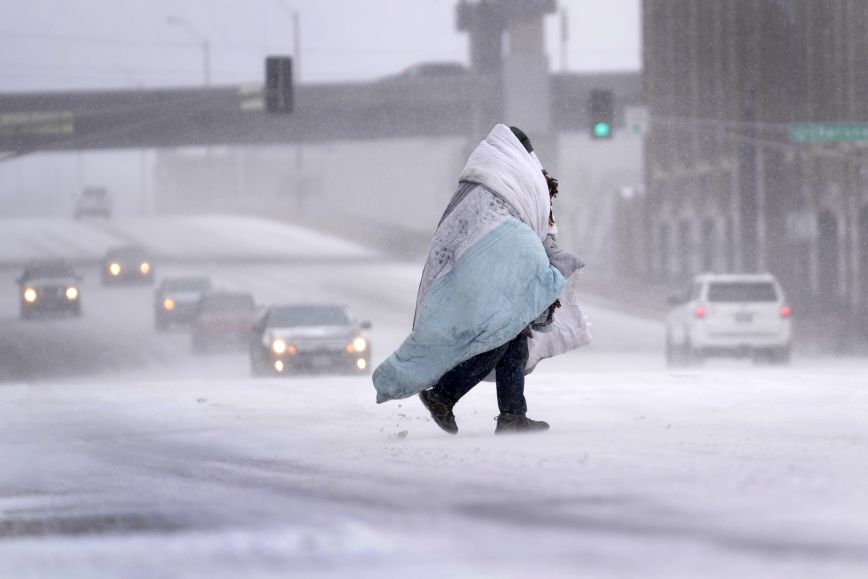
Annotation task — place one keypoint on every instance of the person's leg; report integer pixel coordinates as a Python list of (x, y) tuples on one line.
[(440, 399), (509, 373), (462, 378), (510, 391)]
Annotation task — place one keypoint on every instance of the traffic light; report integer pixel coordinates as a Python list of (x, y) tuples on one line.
[(602, 105), (278, 84)]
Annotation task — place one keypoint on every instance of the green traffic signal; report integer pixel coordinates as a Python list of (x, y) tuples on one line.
[(602, 130), (601, 109)]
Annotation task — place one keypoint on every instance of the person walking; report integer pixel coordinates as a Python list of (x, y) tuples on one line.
[(491, 284)]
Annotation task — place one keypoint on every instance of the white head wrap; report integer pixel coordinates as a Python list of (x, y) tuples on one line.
[(502, 164)]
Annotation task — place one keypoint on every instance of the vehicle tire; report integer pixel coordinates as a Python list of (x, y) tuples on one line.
[(257, 368), (784, 355), (670, 353), (677, 356), (778, 356), (694, 357)]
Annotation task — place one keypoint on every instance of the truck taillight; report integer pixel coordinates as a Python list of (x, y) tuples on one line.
[(699, 312), (786, 311)]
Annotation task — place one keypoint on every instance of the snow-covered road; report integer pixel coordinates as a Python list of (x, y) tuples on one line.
[(142, 460)]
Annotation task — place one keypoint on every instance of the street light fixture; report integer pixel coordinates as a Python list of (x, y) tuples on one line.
[(296, 36), (201, 39)]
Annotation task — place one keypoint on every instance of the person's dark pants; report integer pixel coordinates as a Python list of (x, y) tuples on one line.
[(508, 362)]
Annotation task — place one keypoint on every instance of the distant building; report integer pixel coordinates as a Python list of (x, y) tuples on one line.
[(731, 183)]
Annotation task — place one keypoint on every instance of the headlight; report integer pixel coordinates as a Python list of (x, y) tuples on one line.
[(278, 346), (115, 268), (278, 365), (361, 364), (30, 295), (145, 267), (168, 304), (359, 344), (71, 293)]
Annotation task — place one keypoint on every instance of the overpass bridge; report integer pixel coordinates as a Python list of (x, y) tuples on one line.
[(464, 105)]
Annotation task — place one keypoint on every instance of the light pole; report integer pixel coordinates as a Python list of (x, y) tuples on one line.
[(300, 200), (206, 61), (201, 39), (143, 162), (296, 38)]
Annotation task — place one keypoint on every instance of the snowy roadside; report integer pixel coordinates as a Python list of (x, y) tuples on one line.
[(189, 238), (725, 471)]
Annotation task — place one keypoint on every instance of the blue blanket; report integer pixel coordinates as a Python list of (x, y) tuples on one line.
[(496, 288)]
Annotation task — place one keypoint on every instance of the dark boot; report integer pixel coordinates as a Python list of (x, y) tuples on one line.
[(441, 411), (518, 423)]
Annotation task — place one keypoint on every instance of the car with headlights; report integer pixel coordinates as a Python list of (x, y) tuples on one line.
[(127, 264), (176, 299), (729, 315), (222, 318), (309, 338), (49, 285)]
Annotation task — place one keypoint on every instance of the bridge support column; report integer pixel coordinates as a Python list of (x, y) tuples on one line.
[(521, 84)]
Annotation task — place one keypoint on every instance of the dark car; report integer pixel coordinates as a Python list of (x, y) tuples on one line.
[(49, 285), (222, 318), (176, 298), (433, 70), (309, 338), (127, 264)]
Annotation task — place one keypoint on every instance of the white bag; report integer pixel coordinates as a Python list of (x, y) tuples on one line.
[(569, 329)]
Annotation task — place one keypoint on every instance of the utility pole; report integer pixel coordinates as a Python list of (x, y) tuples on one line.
[(143, 163), (201, 39), (296, 71), (296, 44), (565, 37), (206, 72)]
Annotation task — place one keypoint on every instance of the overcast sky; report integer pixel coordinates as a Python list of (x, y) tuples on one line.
[(62, 44)]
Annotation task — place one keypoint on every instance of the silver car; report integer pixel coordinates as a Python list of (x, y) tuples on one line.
[(309, 338)]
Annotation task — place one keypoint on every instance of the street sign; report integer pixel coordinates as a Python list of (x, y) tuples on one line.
[(37, 123), (252, 97), (828, 132)]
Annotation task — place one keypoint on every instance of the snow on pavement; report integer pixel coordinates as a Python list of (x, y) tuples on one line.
[(25, 239), (189, 468), (724, 471), (234, 237), (193, 237)]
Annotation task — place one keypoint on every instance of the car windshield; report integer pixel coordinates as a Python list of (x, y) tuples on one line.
[(49, 269), (192, 284), (742, 292), (130, 253), (286, 317), (228, 303)]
